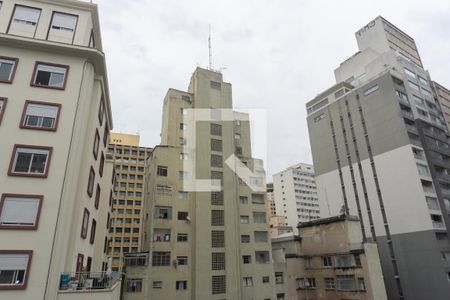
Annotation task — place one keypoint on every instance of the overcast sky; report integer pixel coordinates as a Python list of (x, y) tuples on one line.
[(278, 55)]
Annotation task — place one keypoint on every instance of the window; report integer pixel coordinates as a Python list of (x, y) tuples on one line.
[(218, 284), (371, 90), (182, 260), (183, 195), (163, 212), (26, 15), (134, 285), (319, 117), (102, 164), (246, 259), (414, 86), (329, 283), (105, 135), (217, 218), (181, 285), (216, 198), (92, 39), (50, 75), (85, 224), (183, 215), (101, 110), (216, 145), (7, 68), (300, 282), (184, 156), (20, 211), (311, 283), (96, 144), (90, 186), (217, 239), (183, 111), (327, 261), (244, 219), (243, 199), (237, 136), (216, 161), (261, 236), (186, 98), (361, 284), (14, 268), (216, 129), (279, 278), (343, 261), (215, 85), (30, 161), (162, 171), (262, 257), (2, 107), (93, 228), (423, 81), (410, 73), (265, 279), (40, 115), (182, 237), (97, 196), (64, 22), (157, 284), (245, 238), (247, 281), (218, 261), (308, 262), (257, 198), (259, 217), (160, 258), (345, 282)]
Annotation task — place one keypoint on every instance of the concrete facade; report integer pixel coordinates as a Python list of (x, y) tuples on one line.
[(127, 219), (296, 195), (211, 244), (54, 131), (328, 260), (380, 146)]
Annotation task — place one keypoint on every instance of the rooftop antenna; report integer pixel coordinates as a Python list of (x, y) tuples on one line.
[(209, 47)]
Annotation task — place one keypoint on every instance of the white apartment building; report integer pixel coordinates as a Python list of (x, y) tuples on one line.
[(295, 194), (55, 174)]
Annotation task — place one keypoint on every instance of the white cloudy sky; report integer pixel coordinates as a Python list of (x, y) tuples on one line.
[(278, 55)]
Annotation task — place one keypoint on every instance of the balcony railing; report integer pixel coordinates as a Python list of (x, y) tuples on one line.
[(438, 225), (86, 281)]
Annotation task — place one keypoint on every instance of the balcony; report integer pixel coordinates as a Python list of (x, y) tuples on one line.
[(408, 115), (106, 286)]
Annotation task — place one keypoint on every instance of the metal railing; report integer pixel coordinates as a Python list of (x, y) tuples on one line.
[(85, 281)]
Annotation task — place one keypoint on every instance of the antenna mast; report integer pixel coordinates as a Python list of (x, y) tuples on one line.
[(209, 47)]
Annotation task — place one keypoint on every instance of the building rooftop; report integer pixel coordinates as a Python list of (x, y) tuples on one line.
[(328, 221)]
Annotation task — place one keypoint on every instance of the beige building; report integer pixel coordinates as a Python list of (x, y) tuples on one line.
[(279, 227), (202, 244), (56, 177), (328, 260), (128, 197)]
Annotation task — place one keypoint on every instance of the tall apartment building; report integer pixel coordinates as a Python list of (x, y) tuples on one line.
[(381, 151), (55, 175), (128, 198), (296, 195), (443, 96), (328, 260), (270, 204), (203, 244)]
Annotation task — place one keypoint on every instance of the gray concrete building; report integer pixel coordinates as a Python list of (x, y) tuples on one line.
[(380, 146), (199, 243)]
